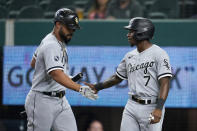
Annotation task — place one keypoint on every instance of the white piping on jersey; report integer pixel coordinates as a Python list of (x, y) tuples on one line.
[(121, 76), (54, 68), (164, 75)]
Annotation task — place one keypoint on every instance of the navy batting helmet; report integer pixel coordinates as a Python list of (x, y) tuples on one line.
[(68, 18), (144, 28)]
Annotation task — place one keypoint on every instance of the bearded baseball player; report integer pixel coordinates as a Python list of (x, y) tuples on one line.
[(147, 69), (46, 105)]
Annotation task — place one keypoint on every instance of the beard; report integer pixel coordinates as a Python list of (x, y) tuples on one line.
[(64, 37), (132, 45), (131, 42)]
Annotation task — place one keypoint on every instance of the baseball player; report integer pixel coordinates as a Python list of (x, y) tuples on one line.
[(46, 105), (148, 71)]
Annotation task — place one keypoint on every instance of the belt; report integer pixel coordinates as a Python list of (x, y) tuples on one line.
[(55, 94), (138, 100)]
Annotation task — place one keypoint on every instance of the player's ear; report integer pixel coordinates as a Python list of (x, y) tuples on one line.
[(58, 24)]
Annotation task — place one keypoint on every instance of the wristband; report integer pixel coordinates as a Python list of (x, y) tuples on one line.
[(160, 103), (99, 86)]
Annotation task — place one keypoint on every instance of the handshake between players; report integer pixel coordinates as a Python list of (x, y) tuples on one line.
[(147, 69)]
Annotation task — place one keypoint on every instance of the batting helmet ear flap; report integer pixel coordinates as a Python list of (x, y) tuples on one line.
[(141, 36), (135, 36)]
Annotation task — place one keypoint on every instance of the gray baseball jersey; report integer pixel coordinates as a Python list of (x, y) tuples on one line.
[(50, 55), (143, 71), (46, 112)]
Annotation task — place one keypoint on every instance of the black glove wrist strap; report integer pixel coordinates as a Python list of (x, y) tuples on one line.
[(99, 86)]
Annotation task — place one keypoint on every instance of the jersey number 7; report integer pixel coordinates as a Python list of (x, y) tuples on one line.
[(148, 78)]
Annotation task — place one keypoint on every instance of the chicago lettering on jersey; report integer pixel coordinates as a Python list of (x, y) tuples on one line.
[(133, 68)]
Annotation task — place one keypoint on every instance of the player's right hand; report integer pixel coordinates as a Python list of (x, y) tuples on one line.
[(88, 92), (91, 86), (155, 116)]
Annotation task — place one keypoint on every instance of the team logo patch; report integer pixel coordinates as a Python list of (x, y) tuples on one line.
[(166, 64), (145, 29), (56, 58)]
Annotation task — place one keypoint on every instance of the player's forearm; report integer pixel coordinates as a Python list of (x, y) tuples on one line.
[(163, 94), (111, 81), (64, 80), (164, 87)]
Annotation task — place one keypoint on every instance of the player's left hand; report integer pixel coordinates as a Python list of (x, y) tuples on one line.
[(155, 116)]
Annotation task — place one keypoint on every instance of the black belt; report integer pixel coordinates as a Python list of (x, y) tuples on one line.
[(55, 94), (144, 102)]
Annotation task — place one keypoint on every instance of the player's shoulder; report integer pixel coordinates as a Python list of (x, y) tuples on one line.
[(50, 38), (50, 41), (158, 50), (132, 53)]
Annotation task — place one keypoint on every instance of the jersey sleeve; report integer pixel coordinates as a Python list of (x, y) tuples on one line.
[(121, 71), (163, 65), (52, 58)]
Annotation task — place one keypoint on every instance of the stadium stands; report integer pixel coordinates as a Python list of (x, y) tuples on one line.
[(3, 12), (31, 12), (164, 9), (161, 9)]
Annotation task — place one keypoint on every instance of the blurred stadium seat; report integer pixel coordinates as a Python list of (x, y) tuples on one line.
[(2, 2), (157, 9), (163, 8), (187, 8), (31, 12), (14, 6), (44, 4), (147, 6), (3, 12), (52, 6), (157, 15)]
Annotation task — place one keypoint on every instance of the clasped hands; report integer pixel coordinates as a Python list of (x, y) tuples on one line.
[(88, 91)]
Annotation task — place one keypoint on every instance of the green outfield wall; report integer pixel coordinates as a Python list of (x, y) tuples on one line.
[(2, 33), (107, 33)]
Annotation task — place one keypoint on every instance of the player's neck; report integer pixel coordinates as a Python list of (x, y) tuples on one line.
[(55, 33), (143, 46)]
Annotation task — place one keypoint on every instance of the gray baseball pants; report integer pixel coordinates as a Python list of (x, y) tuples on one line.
[(45, 113), (136, 117)]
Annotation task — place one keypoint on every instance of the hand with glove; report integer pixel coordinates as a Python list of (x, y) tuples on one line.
[(95, 87), (113, 80), (88, 92)]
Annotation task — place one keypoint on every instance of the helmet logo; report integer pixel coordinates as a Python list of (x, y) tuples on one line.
[(76, 20), (145, 29)]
